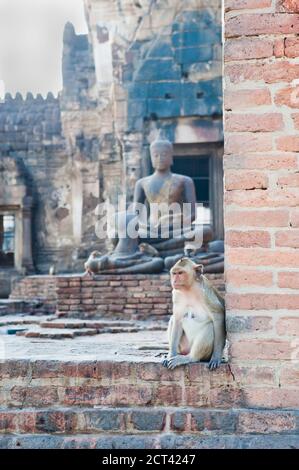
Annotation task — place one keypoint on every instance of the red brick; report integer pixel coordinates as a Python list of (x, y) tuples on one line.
[(262, 257), (114, 395), (265, 422), (246, 4), (249, 239), (170, 395), (260, 349), (8, 422), (289, 280), (288, 326), (26, 422), (252, 375), (288, 143), (268, 72), (279, 46), (291, 180), (292, 47), (254, 218), (228, 397), (270, 161), (235, 143), (262, 301), (288, 96), (290, 375), (34, 396), (248, 277), (261, 198), (289, 238), (200, 374), (295, 118), (263, 23), (254, 122), (247, 324), (71, 301), (272, 397), (287, 5), (247, 48), (294, 218), (245, 180), (196, 396), (242, 99), (154, 372)]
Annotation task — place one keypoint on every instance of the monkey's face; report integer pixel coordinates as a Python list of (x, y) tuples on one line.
[(180, 278), (184, 273)]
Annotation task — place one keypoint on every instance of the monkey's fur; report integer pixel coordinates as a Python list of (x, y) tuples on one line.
[(196, 330)]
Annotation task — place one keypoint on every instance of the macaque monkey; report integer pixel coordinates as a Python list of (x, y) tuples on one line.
[(91, 263), (196, 330), (148, 249)]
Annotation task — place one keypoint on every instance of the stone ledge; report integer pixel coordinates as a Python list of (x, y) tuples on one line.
[(156, 441)]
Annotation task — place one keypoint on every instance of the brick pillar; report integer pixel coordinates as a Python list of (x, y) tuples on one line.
[(261, 194)]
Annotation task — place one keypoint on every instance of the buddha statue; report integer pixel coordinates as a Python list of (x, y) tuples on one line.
[(162, 236), (170, 189)]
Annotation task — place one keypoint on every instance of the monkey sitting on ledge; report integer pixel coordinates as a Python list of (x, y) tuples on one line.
[(196, 330)]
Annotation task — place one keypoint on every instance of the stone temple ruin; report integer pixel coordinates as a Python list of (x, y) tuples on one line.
[(81, 356)]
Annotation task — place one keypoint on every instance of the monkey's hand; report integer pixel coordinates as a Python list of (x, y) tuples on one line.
[(214, 362), (165, 362)]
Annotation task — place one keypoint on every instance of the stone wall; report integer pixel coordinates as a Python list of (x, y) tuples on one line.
[(158, 65), (55, 142), (261, 192)]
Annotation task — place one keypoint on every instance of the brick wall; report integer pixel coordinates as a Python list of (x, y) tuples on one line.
[(42, 289), (55, 142), (117, 404), (261, 193), (137, 296)]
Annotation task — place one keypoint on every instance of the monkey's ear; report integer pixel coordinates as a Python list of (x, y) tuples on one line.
[(198, 268)]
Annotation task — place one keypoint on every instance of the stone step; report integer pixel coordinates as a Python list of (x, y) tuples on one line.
[(97, 324), (133, 420), (52, 328), (89, 383), (152, 441), (23, 319)]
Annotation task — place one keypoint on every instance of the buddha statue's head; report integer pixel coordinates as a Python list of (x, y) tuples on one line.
[(161, 153)]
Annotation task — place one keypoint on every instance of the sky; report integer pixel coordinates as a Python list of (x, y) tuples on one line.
[(31, 33)]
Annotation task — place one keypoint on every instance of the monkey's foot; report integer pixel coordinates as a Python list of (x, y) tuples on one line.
[(178, 361), (214, 363)]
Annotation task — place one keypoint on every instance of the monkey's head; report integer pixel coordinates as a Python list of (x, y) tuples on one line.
[(95, 254), (184, 273)]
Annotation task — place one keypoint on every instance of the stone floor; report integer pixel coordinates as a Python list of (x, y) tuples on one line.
[(46, 337)]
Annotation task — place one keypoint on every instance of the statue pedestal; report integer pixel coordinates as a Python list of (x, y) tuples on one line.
[(130, 296), (115, 296)]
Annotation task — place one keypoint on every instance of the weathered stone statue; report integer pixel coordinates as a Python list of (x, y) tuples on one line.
[(127, 256), (169, 188), (164, 236), (211, 257)]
